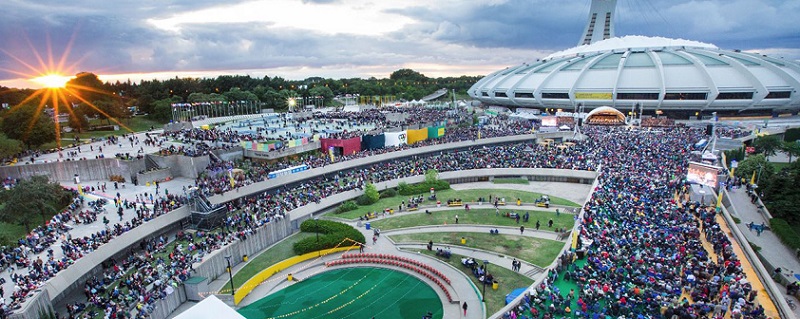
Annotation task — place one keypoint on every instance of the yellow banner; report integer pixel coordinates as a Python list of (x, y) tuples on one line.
[(593, 96), (719, 197)]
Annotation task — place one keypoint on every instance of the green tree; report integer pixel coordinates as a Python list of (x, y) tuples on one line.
[(237, 94), (767, 145), (162, 110), (431, 176), (86, 87), (78, 120), (30, 126), (408, 75), (323, 91), (783, 194), (792, 149), (371, 193), (758, 164), (29, 199), (9, 147)]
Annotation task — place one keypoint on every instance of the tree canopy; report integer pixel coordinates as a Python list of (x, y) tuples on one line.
[(29, 125), (31, 200)]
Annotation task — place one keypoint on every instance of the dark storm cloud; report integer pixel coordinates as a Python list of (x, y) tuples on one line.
[(555, 25)]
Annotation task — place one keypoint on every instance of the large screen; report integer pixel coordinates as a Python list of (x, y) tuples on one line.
[(703, 174), (549, 121)]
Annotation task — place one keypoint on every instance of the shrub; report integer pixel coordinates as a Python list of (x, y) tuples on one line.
[(785, 232), (363, 200), (388, 193), (371, 193), (331, 234), (346, 207), (423, 187)]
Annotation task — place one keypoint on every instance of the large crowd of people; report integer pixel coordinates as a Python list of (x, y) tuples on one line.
[(644, 254), (644, 248)]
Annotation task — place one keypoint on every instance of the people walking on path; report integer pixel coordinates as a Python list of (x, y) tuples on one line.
[(464, 306)]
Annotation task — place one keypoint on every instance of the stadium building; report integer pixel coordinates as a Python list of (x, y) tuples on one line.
[(653, 74)]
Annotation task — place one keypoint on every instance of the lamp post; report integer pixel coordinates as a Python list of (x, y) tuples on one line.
[(230, 274), (485, 274)]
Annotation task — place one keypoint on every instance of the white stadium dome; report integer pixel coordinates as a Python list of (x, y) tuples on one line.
[(654, 72)]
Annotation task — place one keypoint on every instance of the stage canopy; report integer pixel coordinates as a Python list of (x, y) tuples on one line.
[(210, 308)]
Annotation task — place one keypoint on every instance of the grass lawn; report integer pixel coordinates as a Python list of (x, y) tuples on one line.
[(537, 251), (476, 217), (11, 233), (507, 279), (520, 181), (469, 195), (269, 257)]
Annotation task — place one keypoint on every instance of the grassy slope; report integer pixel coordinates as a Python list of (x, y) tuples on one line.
[(475, 216), (540, 252), (469, 195)]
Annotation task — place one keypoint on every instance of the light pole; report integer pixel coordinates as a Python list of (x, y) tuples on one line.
[(485, 275), (230, 274)]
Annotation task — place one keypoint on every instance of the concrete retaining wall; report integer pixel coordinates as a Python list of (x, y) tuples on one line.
[(157, 175), (230, 155), (164, 307), (64, 171), (39, 303), (214, 264), (182, 166)]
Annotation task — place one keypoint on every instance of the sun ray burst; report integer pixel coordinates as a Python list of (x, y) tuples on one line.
[(57, 94)]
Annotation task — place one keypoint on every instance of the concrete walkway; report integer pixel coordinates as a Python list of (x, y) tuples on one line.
[(772, 249)]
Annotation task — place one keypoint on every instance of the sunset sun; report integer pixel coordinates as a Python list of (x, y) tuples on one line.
[(52, 81)]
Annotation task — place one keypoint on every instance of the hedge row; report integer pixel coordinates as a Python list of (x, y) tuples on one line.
[(424, 187), (347, 206), (331, 234), (785, 232)]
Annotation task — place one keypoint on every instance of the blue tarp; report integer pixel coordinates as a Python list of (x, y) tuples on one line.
[(371, 142), (514, 294)]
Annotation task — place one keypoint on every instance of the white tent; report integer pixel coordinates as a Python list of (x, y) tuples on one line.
[(210, 308)]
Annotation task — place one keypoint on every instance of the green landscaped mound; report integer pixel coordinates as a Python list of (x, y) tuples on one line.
[(469, 195), (537, 251), (476, 217), (331, 234), (357, 292)]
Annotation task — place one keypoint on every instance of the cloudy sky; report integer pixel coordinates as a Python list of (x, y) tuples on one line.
[(295, 39)]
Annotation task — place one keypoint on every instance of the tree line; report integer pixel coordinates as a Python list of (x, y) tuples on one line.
[(87, 97)]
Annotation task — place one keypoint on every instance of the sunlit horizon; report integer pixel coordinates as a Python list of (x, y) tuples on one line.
[(288, 73)]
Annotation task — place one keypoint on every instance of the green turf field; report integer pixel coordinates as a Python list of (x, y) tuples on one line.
[(357, 292)]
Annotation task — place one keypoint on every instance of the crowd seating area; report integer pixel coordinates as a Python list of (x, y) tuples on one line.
[(645, 256), (639, 238)]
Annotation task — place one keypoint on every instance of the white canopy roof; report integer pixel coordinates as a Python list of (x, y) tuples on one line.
[(210, 308), (632, 42)]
